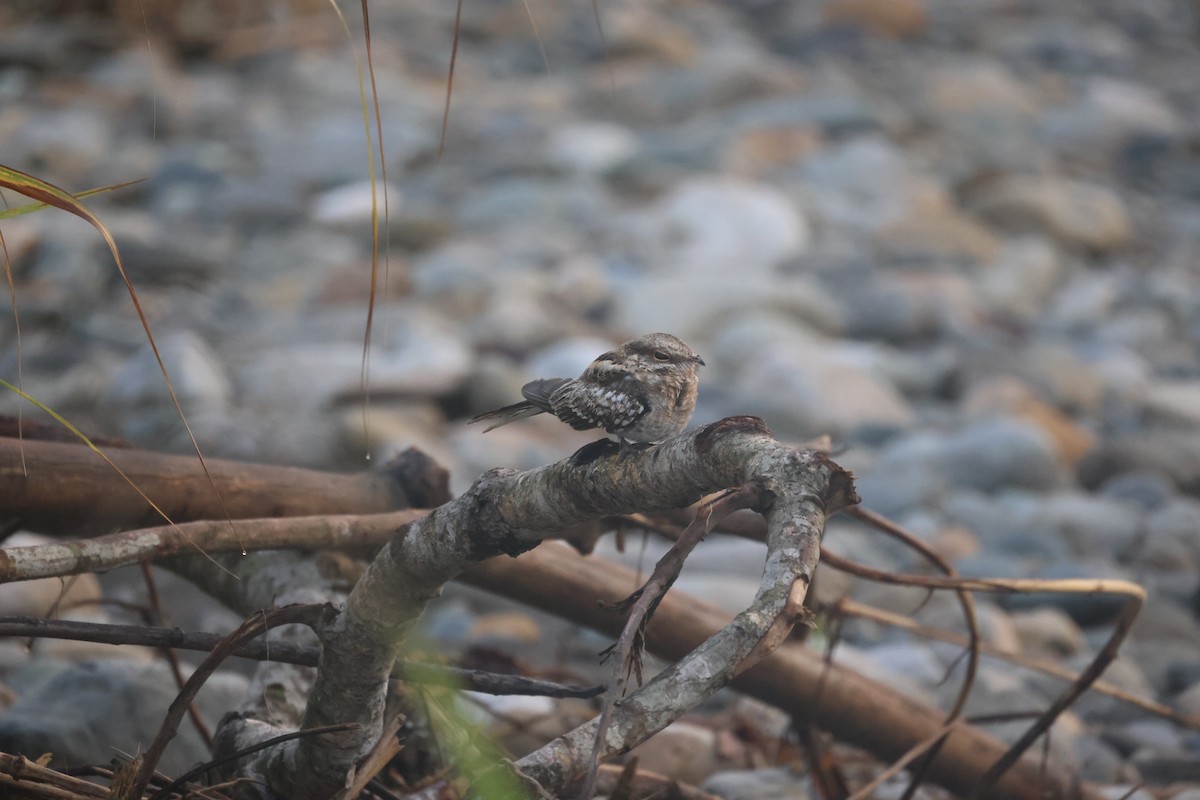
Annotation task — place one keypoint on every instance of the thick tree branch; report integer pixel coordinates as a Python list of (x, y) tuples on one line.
[(507, 512), (68, 488), (803, 495)]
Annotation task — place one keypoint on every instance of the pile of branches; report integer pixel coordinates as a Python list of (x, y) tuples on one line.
[(286, 547)]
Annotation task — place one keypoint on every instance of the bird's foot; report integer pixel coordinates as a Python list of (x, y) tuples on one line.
[(593, 451), (629, 448)]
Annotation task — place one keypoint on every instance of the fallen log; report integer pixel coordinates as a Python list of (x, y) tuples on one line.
[(60, 488)]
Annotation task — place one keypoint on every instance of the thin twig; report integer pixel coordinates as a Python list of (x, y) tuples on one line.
[(254, 626), (537, 35), (901, 763), (627, 651), (383, 752), (172, 660), (969, 614), (27, 772), (853, 608), (450, 77), (1134, 594), (1135, 597), (284, 653)]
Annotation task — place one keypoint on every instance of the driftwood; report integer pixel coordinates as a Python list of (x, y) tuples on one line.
[(57, 488), (507, 512)]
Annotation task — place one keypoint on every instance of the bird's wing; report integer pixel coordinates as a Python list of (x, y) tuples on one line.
[(503, 416), (539, 392), (612, 406)]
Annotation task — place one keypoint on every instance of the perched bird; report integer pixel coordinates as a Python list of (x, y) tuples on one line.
[(644, 391)]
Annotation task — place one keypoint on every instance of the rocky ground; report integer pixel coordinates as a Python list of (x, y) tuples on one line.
[(962, 236)]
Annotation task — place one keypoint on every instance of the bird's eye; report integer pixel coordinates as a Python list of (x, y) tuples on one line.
[(659, 355)]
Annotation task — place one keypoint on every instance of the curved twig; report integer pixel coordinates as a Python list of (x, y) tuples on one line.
[(252, 627), (754, 531), (1135, 596), (969, 614), (626, 653), (853, 608)]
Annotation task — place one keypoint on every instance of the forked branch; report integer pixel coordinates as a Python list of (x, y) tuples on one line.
[(508, 512)]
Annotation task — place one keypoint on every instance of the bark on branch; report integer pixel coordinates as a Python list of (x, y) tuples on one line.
[(508, 512), (56, 487)]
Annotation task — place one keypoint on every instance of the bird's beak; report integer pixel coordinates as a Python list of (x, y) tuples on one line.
[(699, 361)]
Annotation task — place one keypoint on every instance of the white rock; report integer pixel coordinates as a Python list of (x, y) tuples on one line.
[(1125, 373), (978, 87), (196, 373), (590, 147), (1022, 278), (350, 205), (865, 184), (727, 224), (692, 305), (518, 315), (312, 375), (731, 592), (567, 358), (1110, 111), (1175, 401), (1079, 214), (862, 661), (84, 712), (802, 383), (1048, 632), (1087, 300), (683, 750)]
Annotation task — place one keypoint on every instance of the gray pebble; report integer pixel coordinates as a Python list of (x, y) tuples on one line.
[(81, 712)]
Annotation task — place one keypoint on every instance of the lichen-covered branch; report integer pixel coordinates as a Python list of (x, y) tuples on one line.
[(508, 512), (203, 538), (803, 494)]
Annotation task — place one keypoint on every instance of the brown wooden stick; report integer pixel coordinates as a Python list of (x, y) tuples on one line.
[(794, 678), (20, 774), (67, 488)]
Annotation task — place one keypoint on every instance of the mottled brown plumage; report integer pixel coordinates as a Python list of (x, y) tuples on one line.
[(644, 391)]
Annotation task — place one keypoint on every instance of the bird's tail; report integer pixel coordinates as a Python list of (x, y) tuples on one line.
[(508, 414)]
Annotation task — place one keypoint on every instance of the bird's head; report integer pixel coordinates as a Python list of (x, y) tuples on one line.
[(660, 351)]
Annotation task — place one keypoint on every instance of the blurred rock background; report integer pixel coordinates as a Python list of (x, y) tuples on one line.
[(962, 236)]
